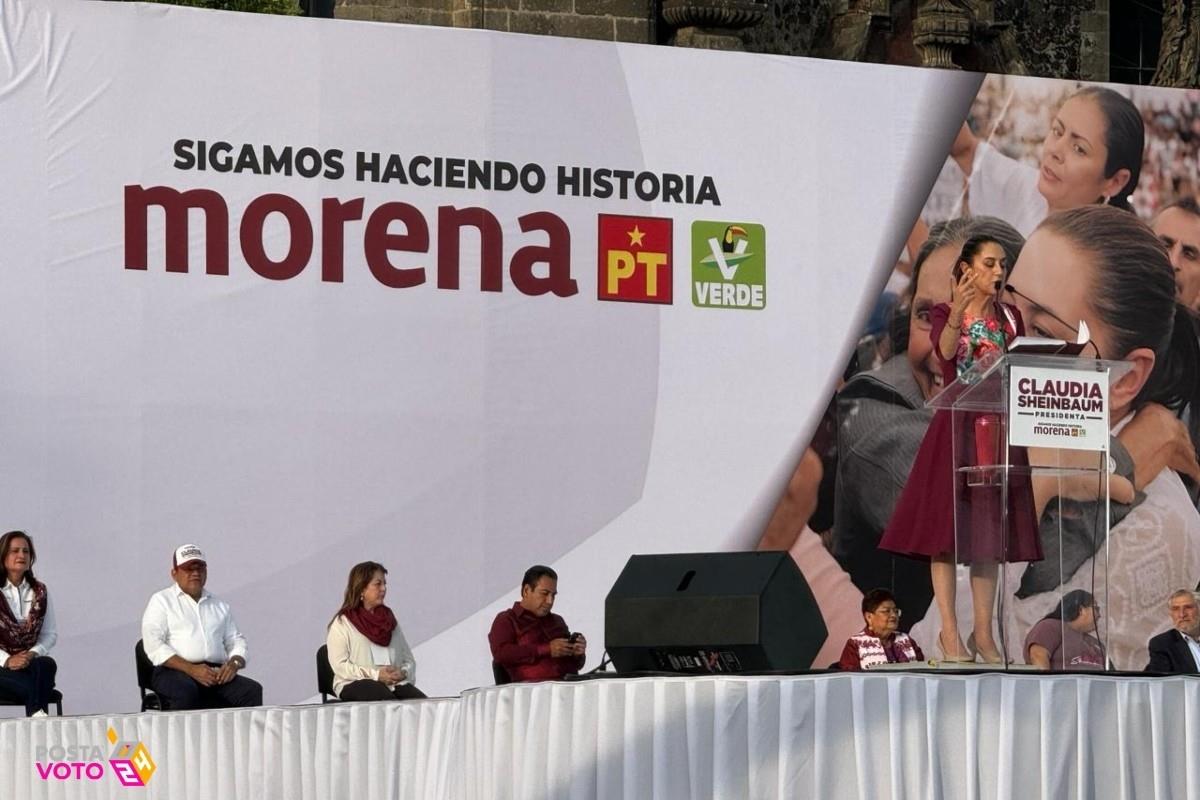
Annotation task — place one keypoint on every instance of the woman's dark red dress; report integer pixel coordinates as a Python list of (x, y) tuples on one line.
[(923, 521)]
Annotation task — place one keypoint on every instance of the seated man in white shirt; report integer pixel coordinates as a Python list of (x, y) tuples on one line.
[(193, 642), (1178, 650)]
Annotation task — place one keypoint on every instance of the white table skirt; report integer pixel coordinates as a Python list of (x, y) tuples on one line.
[(838, 736), (863, 736), (364, 751)]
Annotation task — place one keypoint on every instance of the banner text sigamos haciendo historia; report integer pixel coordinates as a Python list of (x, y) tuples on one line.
[(534, 269)]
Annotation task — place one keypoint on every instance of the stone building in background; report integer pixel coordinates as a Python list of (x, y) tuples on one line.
[(1085, 39)]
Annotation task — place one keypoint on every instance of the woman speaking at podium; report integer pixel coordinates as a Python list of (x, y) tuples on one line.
[(975, 326)]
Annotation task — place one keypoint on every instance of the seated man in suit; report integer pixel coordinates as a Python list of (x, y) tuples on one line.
[(528, 641), (1178, 650), (193, 642)]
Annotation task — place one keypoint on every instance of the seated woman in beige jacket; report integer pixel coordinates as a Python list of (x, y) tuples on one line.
[(367, 651)]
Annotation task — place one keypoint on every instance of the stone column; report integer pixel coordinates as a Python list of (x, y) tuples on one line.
[(1179, 53), (993, 42), (711, 24), (941, 26), (1094, 45), (851, 29)]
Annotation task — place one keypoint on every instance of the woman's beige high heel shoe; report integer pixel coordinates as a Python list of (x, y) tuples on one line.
[(957, 658), (984, 657)]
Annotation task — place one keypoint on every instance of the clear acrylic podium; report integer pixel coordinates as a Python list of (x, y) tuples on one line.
[(1030, 439)]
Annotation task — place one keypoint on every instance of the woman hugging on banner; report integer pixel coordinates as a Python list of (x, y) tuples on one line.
[(1105, 267), (1109, 270)]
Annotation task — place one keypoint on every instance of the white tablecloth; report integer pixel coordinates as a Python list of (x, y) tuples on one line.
[(839, 736), (365, 751)]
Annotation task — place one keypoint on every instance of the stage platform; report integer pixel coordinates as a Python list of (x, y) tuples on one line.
[(828, 736)]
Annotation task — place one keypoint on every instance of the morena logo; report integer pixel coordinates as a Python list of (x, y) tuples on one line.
[(391, 230)]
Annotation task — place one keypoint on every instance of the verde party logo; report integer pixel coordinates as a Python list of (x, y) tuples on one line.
[(729, 265)]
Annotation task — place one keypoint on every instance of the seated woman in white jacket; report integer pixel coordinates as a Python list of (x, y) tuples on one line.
[(367, 651)]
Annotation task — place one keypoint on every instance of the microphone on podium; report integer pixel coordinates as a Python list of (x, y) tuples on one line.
[(1047, 345)]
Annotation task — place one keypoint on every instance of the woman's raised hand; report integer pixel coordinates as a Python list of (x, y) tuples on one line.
[(961, 295)]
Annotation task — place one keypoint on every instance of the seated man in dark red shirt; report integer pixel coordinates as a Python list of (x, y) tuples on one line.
[(529, 642)]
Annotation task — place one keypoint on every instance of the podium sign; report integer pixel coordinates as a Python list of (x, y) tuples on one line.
[(1061, 408)]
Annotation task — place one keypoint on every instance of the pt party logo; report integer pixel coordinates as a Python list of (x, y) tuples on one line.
[(129, 762), (635, 259)]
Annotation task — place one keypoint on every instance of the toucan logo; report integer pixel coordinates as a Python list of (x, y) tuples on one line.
[(729, 265), (730, 253)]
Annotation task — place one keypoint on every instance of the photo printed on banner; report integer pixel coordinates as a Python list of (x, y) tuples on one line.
[(1091, 190)]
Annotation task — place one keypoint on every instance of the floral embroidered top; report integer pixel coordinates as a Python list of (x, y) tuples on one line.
[(981, 337)]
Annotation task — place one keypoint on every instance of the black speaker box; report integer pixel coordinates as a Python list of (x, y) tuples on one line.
[(712, 613)]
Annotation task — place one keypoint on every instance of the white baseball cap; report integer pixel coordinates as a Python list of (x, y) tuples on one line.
[(188, 552)]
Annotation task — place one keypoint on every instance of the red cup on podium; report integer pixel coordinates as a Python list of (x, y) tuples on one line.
[(989, 438)]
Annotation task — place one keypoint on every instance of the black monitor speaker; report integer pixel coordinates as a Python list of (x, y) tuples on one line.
[(712, 613)]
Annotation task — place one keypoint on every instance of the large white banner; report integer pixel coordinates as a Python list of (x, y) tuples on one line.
[(308, 293)]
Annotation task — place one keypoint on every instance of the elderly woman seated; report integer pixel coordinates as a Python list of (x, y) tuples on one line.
[(879, 642)]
